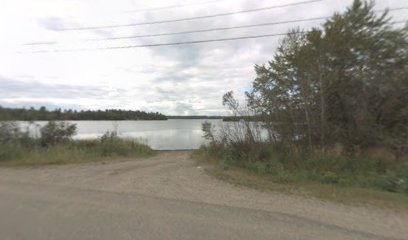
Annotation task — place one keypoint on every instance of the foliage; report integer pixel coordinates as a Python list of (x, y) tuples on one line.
[(78, 151), (329, 101), (9, 131), (55, 146), (208, 132), (194, 117), (32, 114), (364, 171), (56, 132), (12, 139), (109, 136), (345, 82)]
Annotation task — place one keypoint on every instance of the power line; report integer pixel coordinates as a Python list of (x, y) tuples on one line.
[(191, 18), (172, 6), (166, 44), (209, 30), (180, 43), (226, 28), (214, 29), (188, 32)]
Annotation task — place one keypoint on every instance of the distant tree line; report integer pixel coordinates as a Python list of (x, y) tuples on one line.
[(255, 118), (32, 114), (195, 117)]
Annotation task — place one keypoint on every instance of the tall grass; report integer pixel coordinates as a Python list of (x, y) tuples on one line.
[(55, 146), (364, 171), (72, 152)]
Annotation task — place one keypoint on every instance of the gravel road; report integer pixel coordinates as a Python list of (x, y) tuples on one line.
[(169, 197)]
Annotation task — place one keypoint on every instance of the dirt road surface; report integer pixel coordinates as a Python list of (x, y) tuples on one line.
[(169, 197)]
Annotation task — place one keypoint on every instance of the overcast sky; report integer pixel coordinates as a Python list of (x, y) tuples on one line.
[(185, 80)]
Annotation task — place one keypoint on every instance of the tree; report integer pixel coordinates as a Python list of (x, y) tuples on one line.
[(345, 82)]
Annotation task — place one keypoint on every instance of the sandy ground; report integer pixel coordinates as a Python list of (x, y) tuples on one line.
[(170, 197)]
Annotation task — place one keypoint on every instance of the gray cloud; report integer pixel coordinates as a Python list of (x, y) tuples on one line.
[(173, 79), (38, 104), (12, 88)]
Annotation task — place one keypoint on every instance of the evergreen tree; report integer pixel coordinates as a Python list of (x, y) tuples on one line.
[(346, 82)]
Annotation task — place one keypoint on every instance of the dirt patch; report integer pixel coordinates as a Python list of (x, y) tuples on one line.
[(174, 175)]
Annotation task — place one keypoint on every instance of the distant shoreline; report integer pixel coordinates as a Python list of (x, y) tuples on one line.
[(195, 117), (44, 114)]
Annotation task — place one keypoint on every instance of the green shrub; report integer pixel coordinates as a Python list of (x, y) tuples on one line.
[(9, 132), (290, 166), (109, 136), (12, 141), (10, 151), (56, 132), (55, 146), (394, 180)]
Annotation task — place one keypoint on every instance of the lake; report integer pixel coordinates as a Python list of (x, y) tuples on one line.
[(172, 134)]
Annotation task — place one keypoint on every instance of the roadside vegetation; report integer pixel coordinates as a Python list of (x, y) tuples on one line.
[(330, 109), (55, 145)]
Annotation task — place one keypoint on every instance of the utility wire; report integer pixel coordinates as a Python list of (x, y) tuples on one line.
[(229, 28), (188, 32), (180, 43), (172, 6), (213, 29), (190, 18), (166, 44), (208, 30)]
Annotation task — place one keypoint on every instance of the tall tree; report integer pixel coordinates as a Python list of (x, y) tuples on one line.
[(345, 82)]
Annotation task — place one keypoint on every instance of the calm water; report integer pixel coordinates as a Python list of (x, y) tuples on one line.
[(173, 134)]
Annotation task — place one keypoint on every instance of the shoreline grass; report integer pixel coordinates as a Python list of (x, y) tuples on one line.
[(74, 151), (56, 146), (256, 177)]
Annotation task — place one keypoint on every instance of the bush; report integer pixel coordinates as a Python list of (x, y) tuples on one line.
[(9, 151), (394, 180), (13, 141), (56, 132), (9, 131), (55, 146), (72, 152), (109, 136), (290, 166)]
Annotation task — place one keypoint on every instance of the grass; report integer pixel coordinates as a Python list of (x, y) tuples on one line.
[(74, 151), (330, 178)]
